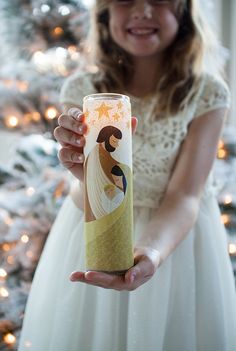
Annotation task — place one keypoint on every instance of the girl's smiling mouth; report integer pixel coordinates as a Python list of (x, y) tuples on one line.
[(141, 31)]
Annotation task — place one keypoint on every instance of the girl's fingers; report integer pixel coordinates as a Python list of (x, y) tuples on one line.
[(109, 281), (103, 280), (65, 137), (76, 113), (71, 124), (68, 155), (81, 278), (134, 123), (142, 271), (137, 275)]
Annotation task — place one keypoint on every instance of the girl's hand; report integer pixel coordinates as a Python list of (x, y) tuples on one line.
[(70, 134), (146, 261)]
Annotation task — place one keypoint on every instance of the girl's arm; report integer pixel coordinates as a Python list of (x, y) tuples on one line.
[(178, 210)]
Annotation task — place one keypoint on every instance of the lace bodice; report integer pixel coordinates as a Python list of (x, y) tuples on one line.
[(156, 143)]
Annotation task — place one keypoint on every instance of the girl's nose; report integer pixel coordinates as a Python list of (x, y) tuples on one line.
[(142, 10)]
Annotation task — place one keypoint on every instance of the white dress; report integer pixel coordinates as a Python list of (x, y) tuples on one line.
[(190, 302)]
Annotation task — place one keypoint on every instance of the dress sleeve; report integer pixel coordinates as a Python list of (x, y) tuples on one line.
[(215, 94), (75, 88)]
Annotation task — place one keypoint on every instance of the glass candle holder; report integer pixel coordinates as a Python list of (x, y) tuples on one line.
[(108, 200)]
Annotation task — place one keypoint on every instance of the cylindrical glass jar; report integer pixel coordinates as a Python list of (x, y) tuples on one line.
[(108, 200)]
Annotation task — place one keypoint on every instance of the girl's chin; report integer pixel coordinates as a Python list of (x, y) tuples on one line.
[(142, 53), (143, 49)]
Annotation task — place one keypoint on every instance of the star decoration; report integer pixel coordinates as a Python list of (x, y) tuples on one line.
[(116, 117), (103, 110), (119, 105), (128, 124), (86, 113)]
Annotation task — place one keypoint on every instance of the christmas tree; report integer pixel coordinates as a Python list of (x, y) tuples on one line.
[(39, 49), (42, 42), (225, 173)]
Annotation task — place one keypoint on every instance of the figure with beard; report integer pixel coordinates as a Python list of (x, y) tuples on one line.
[(99, 165)]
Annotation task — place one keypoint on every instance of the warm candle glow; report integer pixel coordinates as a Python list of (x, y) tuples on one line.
[(57, 32), (6, 247), (45, 8), (222, 153), (72, 49), (32, 116), (228, 199), (225, 219), (221, 144), (51, 113), (59, 189), (11, 121), (232, 249), (4, 292), (7, 82), (29, 254), (64, 10), (30, 191), (27, 118), (39, 55), (9, 339), (22, 86), (8, 221), (10, 259), (24, 238), (41, 61), (3, 273), (35, 116)]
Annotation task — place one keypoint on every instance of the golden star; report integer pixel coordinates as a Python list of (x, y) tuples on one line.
[(86, 114), (103, 110), (128, 124), (119, 105), (116, 117)]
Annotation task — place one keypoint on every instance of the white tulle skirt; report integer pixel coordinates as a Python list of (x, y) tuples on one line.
[(189, 305)]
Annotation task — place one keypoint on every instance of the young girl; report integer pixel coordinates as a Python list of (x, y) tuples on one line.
[(180, 294)]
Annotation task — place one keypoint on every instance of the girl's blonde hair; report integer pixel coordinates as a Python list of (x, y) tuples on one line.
[(182, 68)]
